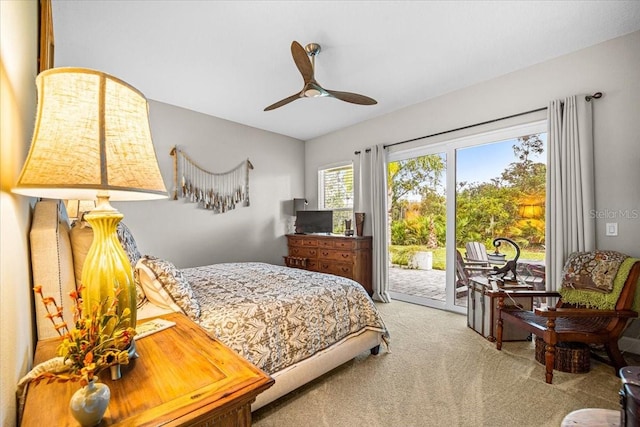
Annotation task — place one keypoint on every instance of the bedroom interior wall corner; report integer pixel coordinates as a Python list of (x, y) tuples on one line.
[(18, 67), (187, 236)]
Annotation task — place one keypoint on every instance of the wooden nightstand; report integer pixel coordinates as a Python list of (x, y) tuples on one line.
[(182, 377)]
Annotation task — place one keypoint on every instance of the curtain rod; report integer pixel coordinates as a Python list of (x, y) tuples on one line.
[(587, 98), (465, 127)]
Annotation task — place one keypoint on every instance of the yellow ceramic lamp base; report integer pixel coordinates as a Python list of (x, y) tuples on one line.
[(107, 266)]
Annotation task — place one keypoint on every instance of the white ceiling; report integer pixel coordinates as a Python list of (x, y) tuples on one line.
[(230, 59)]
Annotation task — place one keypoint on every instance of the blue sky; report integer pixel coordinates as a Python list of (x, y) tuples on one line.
[(482, 163), (485, 162)]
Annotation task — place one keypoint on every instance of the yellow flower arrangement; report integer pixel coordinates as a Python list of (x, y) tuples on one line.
[(98, 341)]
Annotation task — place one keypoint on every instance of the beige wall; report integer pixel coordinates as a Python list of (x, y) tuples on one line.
[(612, 67), (187, 236), (18, 52)]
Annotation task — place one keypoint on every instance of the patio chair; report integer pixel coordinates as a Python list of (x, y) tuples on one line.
[(465, 270), (587, 312), (476, 252)]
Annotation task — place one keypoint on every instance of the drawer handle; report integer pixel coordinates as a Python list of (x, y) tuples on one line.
[(345, 269), (345, 255), (312, 252), (325, 253)]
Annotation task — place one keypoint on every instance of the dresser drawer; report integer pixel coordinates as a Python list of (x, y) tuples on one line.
[(325, 243), (309, 242), (331, 254), (304, 252), (303, 241), (313, 264), (344, 244), (344, 270), (324, 253)]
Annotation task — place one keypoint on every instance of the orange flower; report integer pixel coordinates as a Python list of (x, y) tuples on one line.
[(88, 358), (98, 340)]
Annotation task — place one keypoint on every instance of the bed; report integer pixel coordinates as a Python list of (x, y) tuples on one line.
[(294, 324)]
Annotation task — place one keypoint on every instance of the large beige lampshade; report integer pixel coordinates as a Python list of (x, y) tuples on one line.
[(91, 133), (92, 141)]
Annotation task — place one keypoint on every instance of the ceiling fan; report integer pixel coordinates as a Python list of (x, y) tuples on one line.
[(312, 88)]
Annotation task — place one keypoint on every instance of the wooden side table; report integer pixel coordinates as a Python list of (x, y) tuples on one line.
[(182, 377)]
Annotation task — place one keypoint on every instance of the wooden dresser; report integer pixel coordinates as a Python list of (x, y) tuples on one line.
[(340, 255), (182, 377)]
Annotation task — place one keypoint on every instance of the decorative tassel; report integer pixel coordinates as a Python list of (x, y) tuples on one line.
[(219, 192)]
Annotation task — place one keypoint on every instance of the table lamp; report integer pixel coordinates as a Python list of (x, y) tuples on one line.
[(92, 140)]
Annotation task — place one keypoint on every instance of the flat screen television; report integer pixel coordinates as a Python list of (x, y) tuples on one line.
[(314, 222)]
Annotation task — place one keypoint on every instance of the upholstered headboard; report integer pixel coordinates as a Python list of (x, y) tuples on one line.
[(51, 261), (58, 250)]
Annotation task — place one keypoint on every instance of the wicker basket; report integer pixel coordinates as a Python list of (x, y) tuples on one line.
[(573, 357)]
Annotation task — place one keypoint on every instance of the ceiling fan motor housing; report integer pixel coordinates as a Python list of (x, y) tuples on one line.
[(313, 49)]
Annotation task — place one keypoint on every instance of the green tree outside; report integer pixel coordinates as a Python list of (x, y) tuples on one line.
[(484, 210)]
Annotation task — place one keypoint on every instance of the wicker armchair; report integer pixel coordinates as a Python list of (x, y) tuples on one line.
[(571, 323)]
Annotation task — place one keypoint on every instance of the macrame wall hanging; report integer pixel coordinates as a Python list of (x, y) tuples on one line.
[(219, 192)]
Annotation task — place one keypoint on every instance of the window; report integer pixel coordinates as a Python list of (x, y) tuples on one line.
[(335, 192)]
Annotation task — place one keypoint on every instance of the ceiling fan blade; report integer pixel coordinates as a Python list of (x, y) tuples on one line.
[(283, 102), (302, 61), (353, 98)]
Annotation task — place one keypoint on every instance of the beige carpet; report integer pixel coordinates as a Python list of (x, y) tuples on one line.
[(441, 373)]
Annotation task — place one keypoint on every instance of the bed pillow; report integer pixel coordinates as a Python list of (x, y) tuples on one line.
[(165, 286), (81, 235), (128, 244)]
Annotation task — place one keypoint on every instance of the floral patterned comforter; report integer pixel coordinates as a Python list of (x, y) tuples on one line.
[(276, 316)]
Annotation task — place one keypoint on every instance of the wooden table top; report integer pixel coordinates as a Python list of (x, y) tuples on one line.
[(181, 374)]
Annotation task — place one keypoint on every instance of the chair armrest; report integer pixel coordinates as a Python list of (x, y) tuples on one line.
[(478, 268), (551, 312), (476, 261)]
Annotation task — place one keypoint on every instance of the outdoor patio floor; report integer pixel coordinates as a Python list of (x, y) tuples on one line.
[(420, 283)]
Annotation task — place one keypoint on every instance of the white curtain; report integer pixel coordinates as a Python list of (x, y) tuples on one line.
[(371, 198), (570, 220)]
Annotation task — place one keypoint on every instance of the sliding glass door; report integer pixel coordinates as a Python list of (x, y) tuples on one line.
[(418, 225), (468, 190)]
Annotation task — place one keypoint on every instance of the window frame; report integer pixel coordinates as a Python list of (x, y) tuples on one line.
[(338, 226)]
